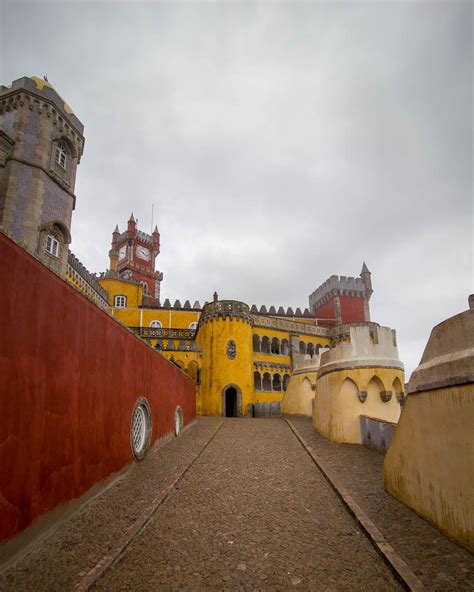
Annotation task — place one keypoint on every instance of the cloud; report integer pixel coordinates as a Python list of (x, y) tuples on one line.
[(280, 143)]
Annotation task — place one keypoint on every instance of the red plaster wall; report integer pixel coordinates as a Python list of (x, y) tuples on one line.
[(70, 377), (326, 311), (352, 309)]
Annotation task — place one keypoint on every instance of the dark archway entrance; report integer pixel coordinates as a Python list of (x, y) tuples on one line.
[(231, 402)]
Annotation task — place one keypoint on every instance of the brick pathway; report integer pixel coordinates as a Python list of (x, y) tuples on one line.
[(252, 513), (437, 561)]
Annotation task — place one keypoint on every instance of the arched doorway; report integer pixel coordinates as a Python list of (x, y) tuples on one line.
[(231, 401)]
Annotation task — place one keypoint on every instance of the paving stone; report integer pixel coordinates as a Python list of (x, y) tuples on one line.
[(252, 513), (251, 486), (440, 563)]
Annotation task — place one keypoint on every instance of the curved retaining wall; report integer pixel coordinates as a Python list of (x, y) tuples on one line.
[(70, 378), (430, 463)]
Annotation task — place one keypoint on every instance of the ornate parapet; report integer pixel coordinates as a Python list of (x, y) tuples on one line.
[(223, 309), (370, 346), (155, 333), (290, 326)]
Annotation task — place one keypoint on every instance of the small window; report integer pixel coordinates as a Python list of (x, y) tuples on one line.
[(61, 155), (120, 301), (140, 429), (193, 326), (52, 245), (155, 325)]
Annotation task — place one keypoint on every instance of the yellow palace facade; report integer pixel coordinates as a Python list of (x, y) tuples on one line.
[(241, 359), (245, 359)]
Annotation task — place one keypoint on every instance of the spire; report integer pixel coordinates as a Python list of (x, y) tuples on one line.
[(365, 269), (132, 219), (116, 229), (155, 231)]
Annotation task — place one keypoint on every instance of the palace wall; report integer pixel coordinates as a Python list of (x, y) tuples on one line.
[(70, 378), (360, 377), (430, 463)]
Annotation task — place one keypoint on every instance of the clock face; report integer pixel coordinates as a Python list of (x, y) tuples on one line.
[(143, 253), (122, 252)]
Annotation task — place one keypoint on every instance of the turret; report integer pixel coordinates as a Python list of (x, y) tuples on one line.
[(156, 240), (131, 227), (41, 143), (366, 278), (114, 257), (115, 236)]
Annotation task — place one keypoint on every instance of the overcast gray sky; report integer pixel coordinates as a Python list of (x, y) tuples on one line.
[(281, 143)]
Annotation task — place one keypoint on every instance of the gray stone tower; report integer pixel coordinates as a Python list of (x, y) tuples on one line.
[(41, 143)]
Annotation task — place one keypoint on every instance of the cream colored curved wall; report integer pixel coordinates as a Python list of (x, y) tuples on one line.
[(337, 406), (299, 395), (430, 463)]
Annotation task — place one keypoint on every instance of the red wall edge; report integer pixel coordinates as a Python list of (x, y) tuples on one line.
[(69, 379)]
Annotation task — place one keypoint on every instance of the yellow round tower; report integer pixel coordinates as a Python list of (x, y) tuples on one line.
[(225, 338)]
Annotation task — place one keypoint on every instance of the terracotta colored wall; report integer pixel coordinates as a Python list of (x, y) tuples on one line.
[(326, 311), (70, 377), (352, 309)]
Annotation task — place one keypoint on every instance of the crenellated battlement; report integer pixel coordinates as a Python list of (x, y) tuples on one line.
[(340, 284), (272, 311)]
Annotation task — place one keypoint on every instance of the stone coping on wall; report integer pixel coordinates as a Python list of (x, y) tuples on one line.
[(448, 359), (364, 363)]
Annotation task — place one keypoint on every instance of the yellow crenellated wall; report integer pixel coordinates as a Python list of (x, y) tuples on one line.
[(337, 406), (217, 369)]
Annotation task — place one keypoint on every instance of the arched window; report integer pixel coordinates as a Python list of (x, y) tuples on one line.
[(310, 350), (156, 325), (256, 343), (277, 382), (267, 382), (265, 347), (302, 348), (275, 347), (285, 348), (120, 301), (193, 326), (286, 380), (52, 245), (257, 380), (61, 154)]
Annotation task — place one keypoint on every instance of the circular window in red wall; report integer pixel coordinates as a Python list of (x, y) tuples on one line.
[(140, 428)]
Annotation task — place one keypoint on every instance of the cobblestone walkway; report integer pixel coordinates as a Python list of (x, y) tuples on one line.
[(253, 513), (438, 562)]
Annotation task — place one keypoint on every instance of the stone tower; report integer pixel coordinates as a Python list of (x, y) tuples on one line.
[(225, 337), (41, 143), (132, 257)]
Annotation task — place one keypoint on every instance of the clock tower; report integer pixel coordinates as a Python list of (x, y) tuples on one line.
[(133, 255)]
